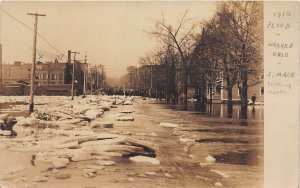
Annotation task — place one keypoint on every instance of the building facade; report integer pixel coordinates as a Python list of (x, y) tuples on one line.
[(49, 78), (16, 72), (50, 73), (219, 94)]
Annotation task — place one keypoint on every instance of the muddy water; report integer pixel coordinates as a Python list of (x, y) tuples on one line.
[(11, 159), (249, 157), (214, 130), (11, 109), (236, 144), (216, 110)]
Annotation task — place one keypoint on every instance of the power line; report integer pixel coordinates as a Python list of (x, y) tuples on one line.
[(22, 23), (16, 19), (49, 44)]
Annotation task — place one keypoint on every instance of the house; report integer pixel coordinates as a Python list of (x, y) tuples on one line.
[(221, 95)]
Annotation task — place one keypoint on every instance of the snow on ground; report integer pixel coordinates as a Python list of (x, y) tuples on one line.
[(61, 131)]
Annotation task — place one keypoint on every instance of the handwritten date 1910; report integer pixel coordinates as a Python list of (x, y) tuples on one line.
[(279, 14)]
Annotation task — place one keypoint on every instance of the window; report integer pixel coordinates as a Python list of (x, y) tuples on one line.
[(239, 91), (60, 76), (262, 90), (208, 90), (219, 87), (210, 87)]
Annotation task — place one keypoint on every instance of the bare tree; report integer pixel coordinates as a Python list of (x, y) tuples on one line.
[(131, 77), (231, 44), (248, 36), (162, 64), (222, 52), (179, 39)]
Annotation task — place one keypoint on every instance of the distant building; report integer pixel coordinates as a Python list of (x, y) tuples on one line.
[(50, 73), (14, 73), (95, 76), (50, 78)]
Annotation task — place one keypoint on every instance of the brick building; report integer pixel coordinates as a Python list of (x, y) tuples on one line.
[(50, 78), (50, 73), (16, 72)]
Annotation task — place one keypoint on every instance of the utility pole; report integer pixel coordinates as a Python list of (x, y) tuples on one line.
[(73, 74), (151, 81), (31, 104), (1, 83), (84, 77), (92, 79), (97, 77)]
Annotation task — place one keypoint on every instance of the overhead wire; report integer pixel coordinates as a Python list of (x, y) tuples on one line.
[(22, 23)]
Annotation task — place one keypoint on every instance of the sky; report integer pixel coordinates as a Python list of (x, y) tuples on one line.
[(110, 33)]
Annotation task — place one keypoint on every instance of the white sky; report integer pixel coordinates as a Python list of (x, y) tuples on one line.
[(112, 33)]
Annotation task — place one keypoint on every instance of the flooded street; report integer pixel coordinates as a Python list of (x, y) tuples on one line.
[(179, 148), (217, 110), (236, 143)]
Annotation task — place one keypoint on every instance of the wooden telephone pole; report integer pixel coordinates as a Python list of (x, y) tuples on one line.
[(31, 104), (1, 82), (73, 74), (84, 77)]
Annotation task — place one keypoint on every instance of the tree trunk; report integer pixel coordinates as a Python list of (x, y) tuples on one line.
[(210, 93), (229, 102), (174, 86), (185, 88), (201, 98), (244, 99)]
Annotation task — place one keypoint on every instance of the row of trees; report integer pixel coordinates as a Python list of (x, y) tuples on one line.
[(227, 47)]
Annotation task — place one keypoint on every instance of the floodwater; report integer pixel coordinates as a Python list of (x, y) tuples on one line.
[(16, 109), (249, 157), (216, 129), (217, 110), (6, 105), (235, 143)]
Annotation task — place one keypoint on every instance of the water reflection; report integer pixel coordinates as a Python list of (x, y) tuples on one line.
[(5, 105), (219, 110), (248, 157)]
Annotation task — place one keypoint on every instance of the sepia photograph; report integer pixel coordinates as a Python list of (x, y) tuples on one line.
[(148, 94)]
